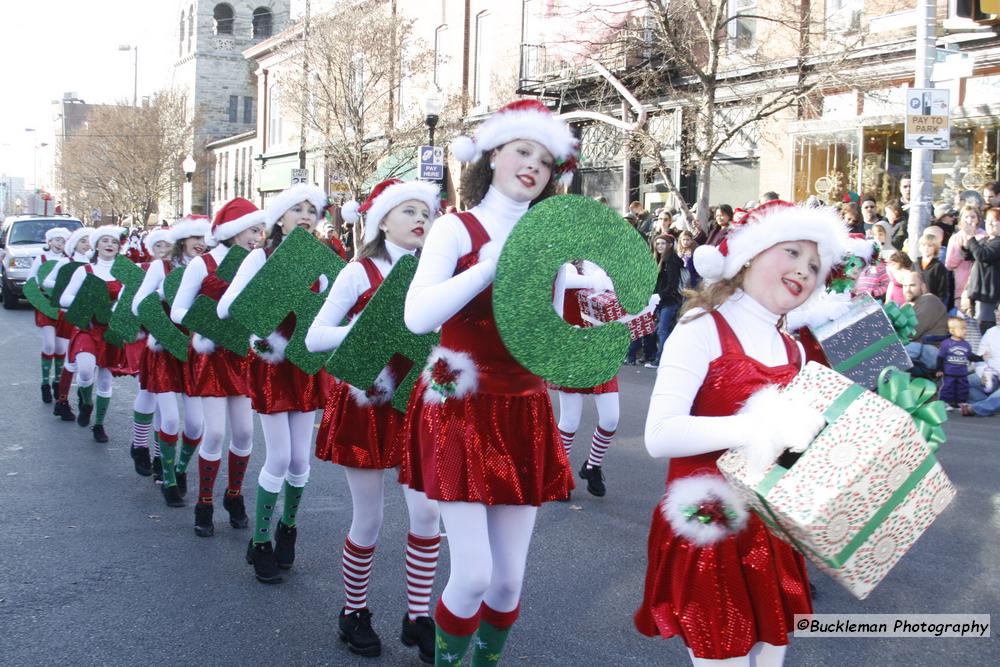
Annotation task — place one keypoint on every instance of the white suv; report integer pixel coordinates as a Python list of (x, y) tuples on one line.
[(22, 238)]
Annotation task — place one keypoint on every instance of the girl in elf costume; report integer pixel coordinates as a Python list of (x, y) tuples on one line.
[(483, 440), (161, 375), (53, 347), (283, 395), (717, 577), (88, 351), (76, 249), (360, 429), (217, 376)]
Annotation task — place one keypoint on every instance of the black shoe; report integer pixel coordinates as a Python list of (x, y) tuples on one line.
[(261, 556), (64, 411), (140, 459), (157, 469), (203, 526), (284, 545), (46, 393), (420, 633), (172, 496), (182, 482), (595, 480), (83, 419), (237, 511), (99, 434), (356, 631)]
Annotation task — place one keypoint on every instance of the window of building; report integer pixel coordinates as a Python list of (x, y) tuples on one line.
[(262, 22), (274, 116), (180, 44), (225, 176), (234, 102), (223, 15), (481, 82), (190, 26), (247, 109), (742, 30), (440, 35), (844, 15)]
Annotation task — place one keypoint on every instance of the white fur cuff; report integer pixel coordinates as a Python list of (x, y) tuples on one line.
[(703, 509), (778, 422), (153, 344), (201, 344), (379, 393), (270, 349), (449, 374)]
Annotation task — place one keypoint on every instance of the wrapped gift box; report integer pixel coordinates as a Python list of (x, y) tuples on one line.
[(600, 307), (858, 344), (861, 494)]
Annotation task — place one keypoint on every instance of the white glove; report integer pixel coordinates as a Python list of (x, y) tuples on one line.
[(820, 311), (654, 301), (776, 422), (489, 255)]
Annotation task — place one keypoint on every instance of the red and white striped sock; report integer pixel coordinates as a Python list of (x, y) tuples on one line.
[(421, 564), (567, 440), (599, 446), (142, 424), (357, 569)]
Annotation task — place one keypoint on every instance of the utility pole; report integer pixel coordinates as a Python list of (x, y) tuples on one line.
[(305, 87), (921, 158)]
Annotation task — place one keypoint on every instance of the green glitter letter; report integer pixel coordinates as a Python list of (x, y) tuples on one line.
[(155, 318), (202, 317), (123, 323), (36, 296)]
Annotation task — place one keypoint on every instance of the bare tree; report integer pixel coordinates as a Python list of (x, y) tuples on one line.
[(125, 157)]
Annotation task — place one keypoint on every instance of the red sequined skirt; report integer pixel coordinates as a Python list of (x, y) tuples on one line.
[(133, 358), (42, 320), (358, 436), (92, 340), (220, 374), (723, 598), (494, 449), (609, 387), (160, 372), (281, 387), (63, 328)]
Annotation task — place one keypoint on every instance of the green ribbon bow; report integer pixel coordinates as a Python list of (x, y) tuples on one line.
[(904, 320), (917, 398)]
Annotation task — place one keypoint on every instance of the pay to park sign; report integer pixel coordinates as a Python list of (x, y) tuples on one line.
[(928, 120)]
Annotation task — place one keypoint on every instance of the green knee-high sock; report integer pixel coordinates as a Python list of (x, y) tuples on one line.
[(263, 528), (47, 368), (293, 495), (489, 644), (449, 649), (187, 451), (57, 364), (168, 454), (101, 409), (86, 395)]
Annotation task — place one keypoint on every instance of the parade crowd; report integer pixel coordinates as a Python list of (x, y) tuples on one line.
[(479, 446)]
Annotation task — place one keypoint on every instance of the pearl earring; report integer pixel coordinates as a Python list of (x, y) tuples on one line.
[(747, 264), (493, 165)]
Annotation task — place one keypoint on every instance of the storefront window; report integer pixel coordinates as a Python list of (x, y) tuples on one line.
[(971, 161), (823, 165), (884, 161)]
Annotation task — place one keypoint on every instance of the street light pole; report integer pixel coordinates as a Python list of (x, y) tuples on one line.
[(188, 166), (135, 70)]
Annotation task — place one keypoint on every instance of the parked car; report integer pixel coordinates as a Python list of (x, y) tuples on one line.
[(22, 238)]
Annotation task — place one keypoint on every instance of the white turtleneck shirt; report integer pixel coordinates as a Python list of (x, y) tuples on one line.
[(194, 275)]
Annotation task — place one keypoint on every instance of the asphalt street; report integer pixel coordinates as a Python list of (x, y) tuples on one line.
[(98, 571)]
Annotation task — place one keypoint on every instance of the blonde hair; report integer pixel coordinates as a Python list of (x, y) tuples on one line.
[(710, 296)]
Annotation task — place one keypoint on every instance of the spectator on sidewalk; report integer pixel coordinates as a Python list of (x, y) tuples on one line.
[(983, 288), (932, 322)]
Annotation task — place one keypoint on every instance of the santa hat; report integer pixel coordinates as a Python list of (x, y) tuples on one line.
[(386, 196), (288, 198), (154, 237), (189, 225), (767, 225), (56, 233), (235, 216), (523, 119), (74, 238), (97, 233)]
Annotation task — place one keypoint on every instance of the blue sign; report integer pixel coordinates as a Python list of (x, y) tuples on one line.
[(431, 163)]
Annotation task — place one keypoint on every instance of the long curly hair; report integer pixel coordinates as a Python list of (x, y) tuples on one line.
[(710, 297), (477, 177)]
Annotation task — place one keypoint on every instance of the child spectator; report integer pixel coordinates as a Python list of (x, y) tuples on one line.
[(933, 271), (897, 263), (953, 360)]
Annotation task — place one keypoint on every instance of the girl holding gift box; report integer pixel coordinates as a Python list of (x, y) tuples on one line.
[(360, 429), (482, 437), (218, 376), (92, 355), (77, 249), (717, 577), (53, 347), (282, 394), (161, 375)]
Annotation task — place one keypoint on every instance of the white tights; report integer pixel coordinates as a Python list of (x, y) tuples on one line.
[(215, 410), (87, 373), (288, 438), (761, 655), (49, 340), (571, 407), (164, 404), (488, 549), (367, 497)]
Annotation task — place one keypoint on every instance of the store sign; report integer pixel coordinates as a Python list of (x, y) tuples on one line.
[(928, 119)]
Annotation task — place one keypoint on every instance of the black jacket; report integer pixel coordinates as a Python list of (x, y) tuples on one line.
[(936, 278), (984, 281), (668, 281)]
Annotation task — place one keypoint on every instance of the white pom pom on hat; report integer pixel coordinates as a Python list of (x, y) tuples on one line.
[(464, 149), (349, 211), (709, 262)]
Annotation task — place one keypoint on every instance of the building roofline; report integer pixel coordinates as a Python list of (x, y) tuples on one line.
[(232, 139)]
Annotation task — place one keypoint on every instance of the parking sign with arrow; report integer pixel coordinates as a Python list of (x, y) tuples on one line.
[(928, 119)]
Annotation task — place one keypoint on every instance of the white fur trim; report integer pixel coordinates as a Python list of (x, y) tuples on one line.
[(153, 344), (863, 248), (57, 233), (201, 344), (228, 230), (349, 211), (188, 228), (709, 262), (394, 195), (823, 307), (278, 344), (384, 385), (74, 238), (286, 199), (688, 491), (506, 126), (782, 421), (98, 233), (154, 237), (461, 364)]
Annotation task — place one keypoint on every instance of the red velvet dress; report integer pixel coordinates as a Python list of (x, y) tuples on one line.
[(42, 320), (159, 371), (499, 444), (220, 373), (745, 588), (92, 340), (362, 432), (572, 315)]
